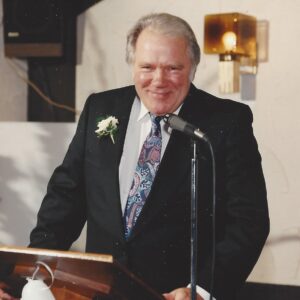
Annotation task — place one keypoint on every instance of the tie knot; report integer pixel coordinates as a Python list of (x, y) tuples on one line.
[(155, 120)]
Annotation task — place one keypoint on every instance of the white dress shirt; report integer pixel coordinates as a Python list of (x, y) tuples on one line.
[(139, 126)]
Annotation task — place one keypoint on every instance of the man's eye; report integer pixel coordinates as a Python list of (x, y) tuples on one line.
[(174, 68)]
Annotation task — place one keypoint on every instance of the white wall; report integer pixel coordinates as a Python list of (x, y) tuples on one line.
[(29, 152), (27, 157)]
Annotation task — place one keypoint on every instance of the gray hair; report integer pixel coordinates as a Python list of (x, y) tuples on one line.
[(165, 24)]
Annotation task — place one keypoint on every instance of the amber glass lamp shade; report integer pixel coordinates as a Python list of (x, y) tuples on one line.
[(230, 33)]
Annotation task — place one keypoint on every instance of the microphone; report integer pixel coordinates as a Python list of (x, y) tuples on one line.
[(179, 124)]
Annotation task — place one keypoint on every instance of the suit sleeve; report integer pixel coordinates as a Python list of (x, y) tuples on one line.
[(62, 214), (243, 202)]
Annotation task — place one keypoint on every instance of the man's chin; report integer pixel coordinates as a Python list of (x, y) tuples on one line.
[(159, 107), (159, 112)]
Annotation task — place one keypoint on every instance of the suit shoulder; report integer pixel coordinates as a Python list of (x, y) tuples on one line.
[(221, 102), (221, 105)]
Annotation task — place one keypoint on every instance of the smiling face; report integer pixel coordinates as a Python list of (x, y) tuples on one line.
[(161, 71)]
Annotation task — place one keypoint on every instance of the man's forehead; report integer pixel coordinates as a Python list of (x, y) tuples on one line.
[(149, 31)]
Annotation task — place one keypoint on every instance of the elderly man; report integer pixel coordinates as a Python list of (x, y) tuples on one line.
[(130, 179)]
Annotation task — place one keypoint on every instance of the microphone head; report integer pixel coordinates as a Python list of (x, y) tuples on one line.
[(175, 122), (179, 124)]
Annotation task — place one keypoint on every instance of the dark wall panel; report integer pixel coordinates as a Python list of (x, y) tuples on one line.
[(44, 32), (33, 28)]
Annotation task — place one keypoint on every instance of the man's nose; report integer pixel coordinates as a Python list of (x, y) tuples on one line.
[(159, 76)]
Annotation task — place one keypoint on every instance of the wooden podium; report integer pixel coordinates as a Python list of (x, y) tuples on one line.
[(78, 276)]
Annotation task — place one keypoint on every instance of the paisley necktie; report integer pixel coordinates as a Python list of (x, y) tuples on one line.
[(144, 175)]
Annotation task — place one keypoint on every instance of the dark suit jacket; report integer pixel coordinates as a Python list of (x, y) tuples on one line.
[(86, 187)]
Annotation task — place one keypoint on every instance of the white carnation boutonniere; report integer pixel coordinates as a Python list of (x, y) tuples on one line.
[(107, 126)]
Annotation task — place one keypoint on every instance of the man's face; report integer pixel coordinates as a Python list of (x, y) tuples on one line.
[(161, 71)]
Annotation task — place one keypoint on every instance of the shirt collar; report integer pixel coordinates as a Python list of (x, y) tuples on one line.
[(143, 111)]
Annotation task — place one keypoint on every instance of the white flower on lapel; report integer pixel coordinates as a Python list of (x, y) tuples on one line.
[(107, 126)]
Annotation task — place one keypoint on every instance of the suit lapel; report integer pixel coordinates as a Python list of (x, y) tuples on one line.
[(110, 154)]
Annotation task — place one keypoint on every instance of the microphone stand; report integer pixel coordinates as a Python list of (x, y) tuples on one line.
[(179, 124), (194, 218)]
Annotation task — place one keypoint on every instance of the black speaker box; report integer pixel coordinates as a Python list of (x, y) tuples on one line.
[(33, 28)]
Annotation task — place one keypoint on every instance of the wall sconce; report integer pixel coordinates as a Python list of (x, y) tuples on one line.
[(233, 37)]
